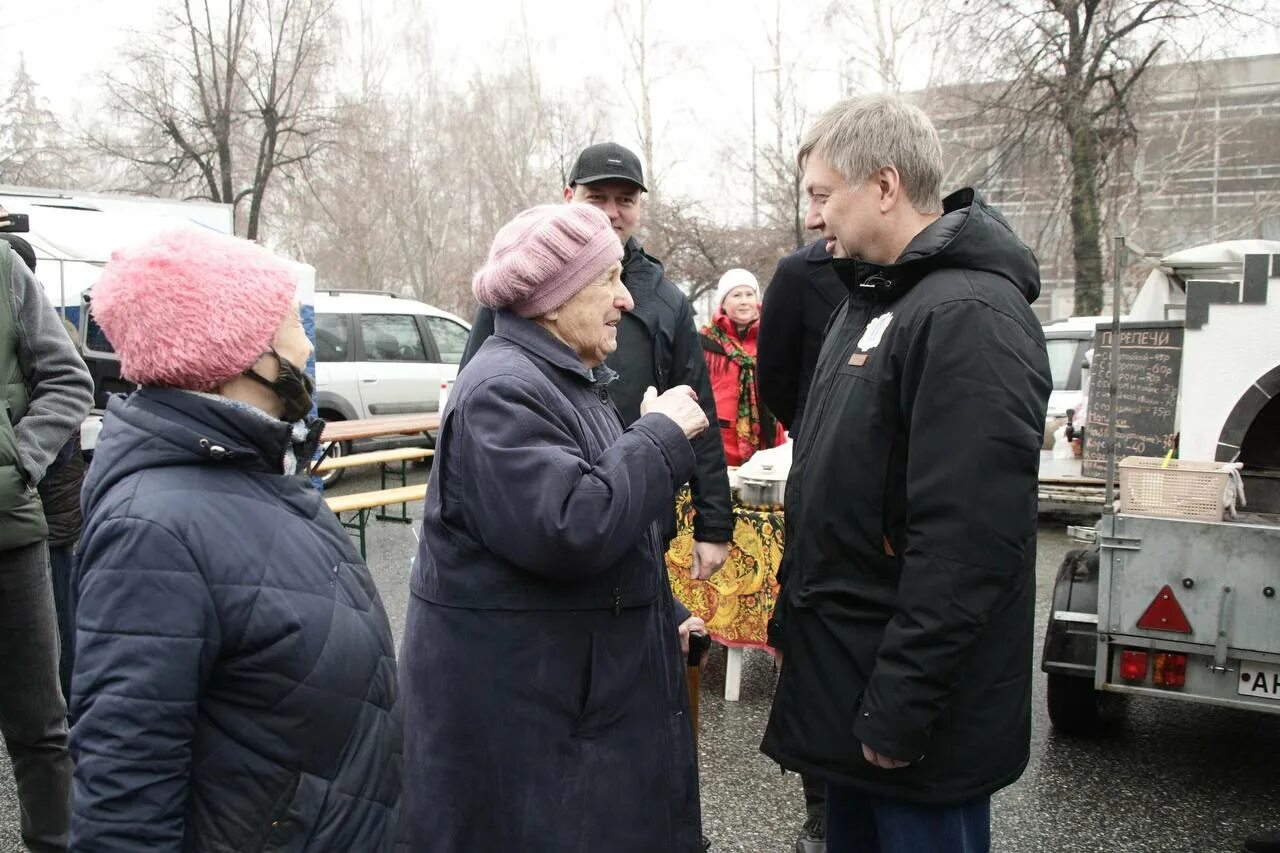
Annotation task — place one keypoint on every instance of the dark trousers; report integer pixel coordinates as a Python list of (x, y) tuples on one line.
[(864, 823), (60, 564), (815, 796), (33, 714)]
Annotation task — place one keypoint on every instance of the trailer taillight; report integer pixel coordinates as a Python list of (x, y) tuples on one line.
[(1133, 665), (1169, 669)]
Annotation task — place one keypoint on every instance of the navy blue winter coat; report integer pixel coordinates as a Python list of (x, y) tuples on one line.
[(235, 677), (545, 706)]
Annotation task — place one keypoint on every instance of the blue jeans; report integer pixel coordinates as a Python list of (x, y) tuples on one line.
[(33, 715), (865, 823)]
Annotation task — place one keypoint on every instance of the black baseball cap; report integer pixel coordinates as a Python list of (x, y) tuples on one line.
[(607, 161)]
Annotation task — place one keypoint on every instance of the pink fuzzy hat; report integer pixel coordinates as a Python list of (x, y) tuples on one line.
[(192, 309), (540, 259)]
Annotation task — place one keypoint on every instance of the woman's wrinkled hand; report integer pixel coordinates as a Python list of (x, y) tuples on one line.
[(692, 625), (680, 404)]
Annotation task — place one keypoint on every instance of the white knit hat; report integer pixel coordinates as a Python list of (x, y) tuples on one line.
[(735, 278)]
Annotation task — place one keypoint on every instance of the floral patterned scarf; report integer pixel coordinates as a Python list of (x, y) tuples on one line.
[(748, 428)]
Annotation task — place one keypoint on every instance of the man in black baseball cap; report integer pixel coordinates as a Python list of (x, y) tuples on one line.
[(607, 161)]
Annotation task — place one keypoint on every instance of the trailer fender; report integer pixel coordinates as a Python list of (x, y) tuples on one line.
[(1071, 636)]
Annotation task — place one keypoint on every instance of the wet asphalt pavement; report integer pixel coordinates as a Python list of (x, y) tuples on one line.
[(1165, 778)]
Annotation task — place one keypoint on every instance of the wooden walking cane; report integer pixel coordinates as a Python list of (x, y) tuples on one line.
[(693, 676), (698, 646)]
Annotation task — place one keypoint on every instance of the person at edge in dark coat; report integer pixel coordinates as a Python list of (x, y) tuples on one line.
[(729, 346), (545, 703), (45, 393), (798, 303), (657, 346), (907, 602), (59, 492), (235, 677)]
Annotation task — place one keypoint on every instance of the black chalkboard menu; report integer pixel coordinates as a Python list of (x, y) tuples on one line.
[(1146, 393)]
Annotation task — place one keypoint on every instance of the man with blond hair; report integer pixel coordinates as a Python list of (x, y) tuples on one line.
[(908, 582)]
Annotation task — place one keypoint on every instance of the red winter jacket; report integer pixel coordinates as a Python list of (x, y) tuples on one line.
[(725, 385)]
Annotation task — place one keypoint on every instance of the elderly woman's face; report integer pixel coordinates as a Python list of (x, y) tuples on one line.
[(291, 339), (290, 343), (588, 322)]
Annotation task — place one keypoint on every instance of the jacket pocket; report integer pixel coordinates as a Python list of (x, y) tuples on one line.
[(22, 520), (353, 586), (8, 439), (614, 665), (282, 831)]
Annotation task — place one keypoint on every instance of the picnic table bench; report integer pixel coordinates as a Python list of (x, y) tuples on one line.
[(361, 505)]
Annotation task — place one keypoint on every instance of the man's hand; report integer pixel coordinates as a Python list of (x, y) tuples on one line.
[(708, 557), (680, 404), (884, 762), (692, 625)]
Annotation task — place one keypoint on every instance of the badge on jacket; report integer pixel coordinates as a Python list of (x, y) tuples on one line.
[(870, 338)]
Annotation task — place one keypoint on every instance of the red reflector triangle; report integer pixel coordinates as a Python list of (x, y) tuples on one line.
[(1165, 614)]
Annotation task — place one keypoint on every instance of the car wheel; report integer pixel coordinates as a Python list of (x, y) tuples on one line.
[(330, 479), (340, 449)]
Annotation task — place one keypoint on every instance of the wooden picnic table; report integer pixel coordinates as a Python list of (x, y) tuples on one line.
[(380, 425)]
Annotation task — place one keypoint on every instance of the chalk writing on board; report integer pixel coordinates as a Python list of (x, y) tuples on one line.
[(1150, 364)]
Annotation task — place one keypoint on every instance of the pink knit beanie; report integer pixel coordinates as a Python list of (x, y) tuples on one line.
[(540, 259), (191, 309)]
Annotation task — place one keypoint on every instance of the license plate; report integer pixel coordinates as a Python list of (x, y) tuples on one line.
[(1260, 681)]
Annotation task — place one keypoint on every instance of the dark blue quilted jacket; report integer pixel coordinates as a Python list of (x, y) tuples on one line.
[(235, 679)]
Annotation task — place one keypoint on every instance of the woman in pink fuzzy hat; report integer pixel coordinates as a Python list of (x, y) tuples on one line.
[(235, 680), (545, 706)]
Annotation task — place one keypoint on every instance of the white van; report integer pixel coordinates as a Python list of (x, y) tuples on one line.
[(380, 354)]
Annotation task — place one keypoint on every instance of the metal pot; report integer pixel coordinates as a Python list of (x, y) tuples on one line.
[(759, 493)]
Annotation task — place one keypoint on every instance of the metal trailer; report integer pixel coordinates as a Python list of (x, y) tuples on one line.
[(1179, 609)]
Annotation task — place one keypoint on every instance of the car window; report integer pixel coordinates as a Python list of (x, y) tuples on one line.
[(1063, 355), (332, 337), (95, 340), (451, 338), (391, 337)]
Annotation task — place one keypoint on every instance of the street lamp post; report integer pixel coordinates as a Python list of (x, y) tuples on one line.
[(755, 172)]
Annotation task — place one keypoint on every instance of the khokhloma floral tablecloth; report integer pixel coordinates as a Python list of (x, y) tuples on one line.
[(738, 600)]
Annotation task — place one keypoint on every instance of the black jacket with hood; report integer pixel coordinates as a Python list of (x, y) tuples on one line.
[(908, 581), (658, 345)]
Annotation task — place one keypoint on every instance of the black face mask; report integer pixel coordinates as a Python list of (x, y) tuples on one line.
[(293, 386)]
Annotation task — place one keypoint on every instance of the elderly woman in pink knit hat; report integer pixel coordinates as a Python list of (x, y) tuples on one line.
[(543, 684), (235, 680)]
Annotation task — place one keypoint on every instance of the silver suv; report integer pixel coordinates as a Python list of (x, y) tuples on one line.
[(379, 354)]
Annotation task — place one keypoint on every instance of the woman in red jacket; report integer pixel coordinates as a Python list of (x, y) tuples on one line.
[(729, 345)]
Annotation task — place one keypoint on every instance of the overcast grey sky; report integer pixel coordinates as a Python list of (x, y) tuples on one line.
[(702, 102)]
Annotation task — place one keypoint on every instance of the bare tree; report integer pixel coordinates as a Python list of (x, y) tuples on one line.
[(895, 32), (33, 149), (427, 169), (632, 18), (225, 95), (1065, 75)]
